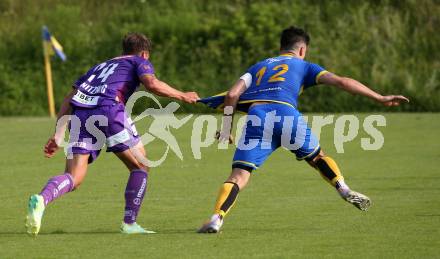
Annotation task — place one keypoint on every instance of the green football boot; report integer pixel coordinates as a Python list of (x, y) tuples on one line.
[(134, 229), (35, 214)]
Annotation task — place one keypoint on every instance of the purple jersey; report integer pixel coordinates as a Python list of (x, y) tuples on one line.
[(114, 79)]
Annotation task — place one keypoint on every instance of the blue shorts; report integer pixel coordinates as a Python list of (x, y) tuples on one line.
[(270, 126)]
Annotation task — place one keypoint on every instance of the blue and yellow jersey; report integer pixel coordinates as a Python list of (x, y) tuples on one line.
[(280, 79)]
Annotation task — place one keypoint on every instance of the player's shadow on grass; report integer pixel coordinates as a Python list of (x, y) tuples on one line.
[(23, 233), (99, 232), (113, 232), (117, 232)]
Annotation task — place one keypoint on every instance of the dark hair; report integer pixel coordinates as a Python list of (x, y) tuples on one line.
[(291, 36), (134, 43)]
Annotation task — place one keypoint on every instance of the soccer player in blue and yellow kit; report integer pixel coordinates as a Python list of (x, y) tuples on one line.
[(269, 91)]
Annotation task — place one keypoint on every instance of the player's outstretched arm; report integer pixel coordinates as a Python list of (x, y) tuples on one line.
[(161, 88), (233, 95), (231, 100), (354, 87), (51, 146)]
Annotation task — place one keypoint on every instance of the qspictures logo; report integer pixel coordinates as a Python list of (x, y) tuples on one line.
[(163, 122)]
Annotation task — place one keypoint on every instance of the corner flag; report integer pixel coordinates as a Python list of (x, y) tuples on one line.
[(51, 44), (50, 47)]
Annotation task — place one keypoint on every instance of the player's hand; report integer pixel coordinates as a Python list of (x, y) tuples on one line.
[(393, 100), (190, 97), (51, 147), (224, 137)]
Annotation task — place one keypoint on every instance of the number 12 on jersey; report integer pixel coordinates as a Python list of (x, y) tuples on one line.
[(277, 77)]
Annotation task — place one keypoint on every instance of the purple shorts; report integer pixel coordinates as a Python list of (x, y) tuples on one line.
[(91, 128)]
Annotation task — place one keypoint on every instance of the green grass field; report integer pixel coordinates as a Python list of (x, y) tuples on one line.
[(287, 210)]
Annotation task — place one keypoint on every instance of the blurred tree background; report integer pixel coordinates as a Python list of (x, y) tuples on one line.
[(391, 45)]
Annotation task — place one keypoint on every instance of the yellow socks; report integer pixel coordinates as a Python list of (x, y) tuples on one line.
[(330, 172), (226, 198)]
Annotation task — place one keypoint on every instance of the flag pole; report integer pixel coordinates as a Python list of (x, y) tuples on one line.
[(49, 85)]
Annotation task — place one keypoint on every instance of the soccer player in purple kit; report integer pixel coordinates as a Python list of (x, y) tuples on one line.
[(102, 92)]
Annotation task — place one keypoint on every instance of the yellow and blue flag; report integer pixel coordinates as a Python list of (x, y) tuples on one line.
[(51, 45)]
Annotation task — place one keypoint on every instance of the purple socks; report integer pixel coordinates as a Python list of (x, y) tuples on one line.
[(56, 187), (134, 194)]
